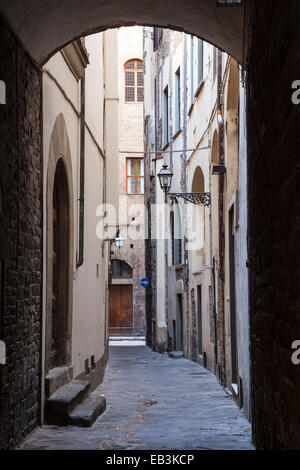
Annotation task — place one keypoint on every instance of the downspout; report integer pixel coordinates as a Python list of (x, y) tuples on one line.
[(215, 314), (82, 173), (221, 280), (184, 187)]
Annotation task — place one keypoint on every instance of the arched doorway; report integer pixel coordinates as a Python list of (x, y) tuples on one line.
[(59, 250), (59, 341)]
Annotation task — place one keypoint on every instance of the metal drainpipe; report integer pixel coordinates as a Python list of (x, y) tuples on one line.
[(215, 313), (184, 184), (221, 210), (82, 174)]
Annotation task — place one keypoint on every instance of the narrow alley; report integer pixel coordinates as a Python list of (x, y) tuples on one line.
[(154, 402), (149, 225)]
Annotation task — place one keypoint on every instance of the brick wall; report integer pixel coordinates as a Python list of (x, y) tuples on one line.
[(20, 241), (274, 229)]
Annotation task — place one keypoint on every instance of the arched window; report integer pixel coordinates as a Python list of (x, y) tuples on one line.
[(120, 269), (134, 81)]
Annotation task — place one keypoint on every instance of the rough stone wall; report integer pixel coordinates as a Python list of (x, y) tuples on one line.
[(20, 241), (274, 229)]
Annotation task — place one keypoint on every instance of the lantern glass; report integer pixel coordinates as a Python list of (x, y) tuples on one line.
[(119, 242), (165, 178)]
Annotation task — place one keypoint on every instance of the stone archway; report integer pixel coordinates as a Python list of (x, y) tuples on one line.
[(129, 257), (59, 181), (220, 26)]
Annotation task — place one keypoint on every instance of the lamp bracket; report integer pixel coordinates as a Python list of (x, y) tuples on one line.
[(200, 199)]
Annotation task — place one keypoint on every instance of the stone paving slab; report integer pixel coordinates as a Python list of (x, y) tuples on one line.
[(155, 402)]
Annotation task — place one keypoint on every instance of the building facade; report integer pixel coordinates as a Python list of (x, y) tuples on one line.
[(127, 296), (80, 134), (195, 124)]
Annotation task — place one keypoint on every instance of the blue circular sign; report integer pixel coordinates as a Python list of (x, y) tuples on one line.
[(145, 282)]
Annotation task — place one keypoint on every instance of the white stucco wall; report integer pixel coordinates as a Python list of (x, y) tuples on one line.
[(61, 95), (242, 258)]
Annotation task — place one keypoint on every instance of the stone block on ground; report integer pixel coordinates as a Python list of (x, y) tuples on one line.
[(86, 414), (62, 403)]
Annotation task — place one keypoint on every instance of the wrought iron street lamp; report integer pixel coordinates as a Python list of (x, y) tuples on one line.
[(165, 178)]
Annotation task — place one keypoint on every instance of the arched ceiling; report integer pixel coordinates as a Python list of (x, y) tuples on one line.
[(44, 26)]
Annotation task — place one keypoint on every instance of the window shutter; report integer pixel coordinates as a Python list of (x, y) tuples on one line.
[(200, 61)]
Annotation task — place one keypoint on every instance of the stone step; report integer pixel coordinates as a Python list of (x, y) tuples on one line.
[(61, 404), (86, 414), (57, 378)]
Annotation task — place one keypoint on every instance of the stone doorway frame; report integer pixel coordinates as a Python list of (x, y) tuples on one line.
[(59, 153)]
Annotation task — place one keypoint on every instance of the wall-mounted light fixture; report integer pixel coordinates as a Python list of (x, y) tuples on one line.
[(119, 241), (165, 178), (229, 3)]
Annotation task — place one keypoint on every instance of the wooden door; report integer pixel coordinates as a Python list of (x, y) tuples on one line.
[(199, 309), (179, 342), (120, 310), (54, 325)]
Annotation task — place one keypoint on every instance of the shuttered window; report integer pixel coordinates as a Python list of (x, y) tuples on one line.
[(177, 101), (200, 61), (157, 36), (134, 81)]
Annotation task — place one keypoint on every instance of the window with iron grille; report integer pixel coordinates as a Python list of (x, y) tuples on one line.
[(120, 269), (135, 175), (134, 81)]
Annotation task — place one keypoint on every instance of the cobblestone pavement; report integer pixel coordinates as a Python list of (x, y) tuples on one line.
[(155, 402)]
